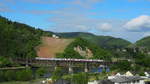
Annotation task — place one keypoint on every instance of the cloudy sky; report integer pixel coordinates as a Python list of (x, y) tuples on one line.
[(128, 19)]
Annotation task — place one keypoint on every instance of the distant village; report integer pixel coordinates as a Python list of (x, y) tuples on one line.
[(118, 78), (126, 78)]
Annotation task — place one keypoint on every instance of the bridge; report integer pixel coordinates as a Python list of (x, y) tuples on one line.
[(70, 63)]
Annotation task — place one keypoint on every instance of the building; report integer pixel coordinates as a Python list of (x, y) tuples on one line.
[(129, 78), (55, 36)]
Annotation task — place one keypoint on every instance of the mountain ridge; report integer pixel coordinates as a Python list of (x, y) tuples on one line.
[(107, 42)]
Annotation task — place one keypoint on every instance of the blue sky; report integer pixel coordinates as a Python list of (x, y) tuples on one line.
[(128, 19)]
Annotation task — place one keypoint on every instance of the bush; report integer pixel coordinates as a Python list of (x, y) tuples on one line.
[(2, 76), (57, 74), (123, 65), (4, 62), (9, 75), (40, 72), (81, 78), (24, 75)]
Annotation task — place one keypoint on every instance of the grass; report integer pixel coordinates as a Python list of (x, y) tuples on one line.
[(38, 81)]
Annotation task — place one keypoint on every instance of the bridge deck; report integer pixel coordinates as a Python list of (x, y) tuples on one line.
[(71, 60)]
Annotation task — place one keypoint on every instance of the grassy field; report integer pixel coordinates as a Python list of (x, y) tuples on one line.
[(38, 81)]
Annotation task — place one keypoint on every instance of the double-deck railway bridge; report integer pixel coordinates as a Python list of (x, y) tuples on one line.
[(63, 62)]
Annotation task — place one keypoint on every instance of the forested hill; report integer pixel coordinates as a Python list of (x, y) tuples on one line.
[(21, 40), (83, 49), (145, 42), (107, 42), (18, 40)]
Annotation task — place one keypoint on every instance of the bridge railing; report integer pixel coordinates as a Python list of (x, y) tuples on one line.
[(68, 59)]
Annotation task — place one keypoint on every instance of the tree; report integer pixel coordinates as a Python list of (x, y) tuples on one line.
[(2, 76), (4, 62), (41, 71), (57, 74), (122, 65), (24, 75), (10, 75), (80, 78)]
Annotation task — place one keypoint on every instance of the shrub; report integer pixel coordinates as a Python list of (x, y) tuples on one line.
[(9, 75), (40, 72), (24, 75), (81, 78)]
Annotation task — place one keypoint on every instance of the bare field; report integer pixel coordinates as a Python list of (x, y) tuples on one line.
[(50, 46)]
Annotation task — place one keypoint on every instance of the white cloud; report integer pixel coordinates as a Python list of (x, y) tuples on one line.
[(104, 27), (146, 34), (79, 3), (4, 8), (141, 23)]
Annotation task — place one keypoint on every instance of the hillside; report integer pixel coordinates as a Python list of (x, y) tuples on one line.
[(83, 49), (23, 41), (50, 46), (107, 42), (145, 42), (18, 40)]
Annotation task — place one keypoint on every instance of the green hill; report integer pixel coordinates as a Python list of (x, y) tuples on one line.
[(144, 42), (107, 42), (21, 40), (81, 48), (18, 40)]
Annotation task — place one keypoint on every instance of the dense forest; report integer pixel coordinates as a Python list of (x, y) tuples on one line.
[(97, 52), (106, 42), (18, 40), (144, 42)]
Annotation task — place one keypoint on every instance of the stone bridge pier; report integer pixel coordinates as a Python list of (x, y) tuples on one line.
[(86, 68), (71, 70)]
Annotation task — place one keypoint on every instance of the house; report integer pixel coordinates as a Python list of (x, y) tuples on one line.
[(147, 74), (93, 82), (128, 73), (129, 78), (55, 36)]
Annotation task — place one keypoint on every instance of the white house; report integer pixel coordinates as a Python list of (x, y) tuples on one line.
[(93, 82), (127, 78), (55, 36)]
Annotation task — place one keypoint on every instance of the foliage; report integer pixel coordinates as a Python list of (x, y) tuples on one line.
[(16, 75), (98, 53), (4, 62), (40, 72), (18, 40), (9, 75), (2, 76), (80, 78), (57, 74), (106, 42), (142, 74), (145, 62), (123, 65), (144, 42), (24, 75)]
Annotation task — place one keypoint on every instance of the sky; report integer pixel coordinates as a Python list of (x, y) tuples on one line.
[(127, 19)]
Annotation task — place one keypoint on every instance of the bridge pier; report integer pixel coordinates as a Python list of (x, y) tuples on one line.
[(70, 69), (86, 67), (55, 67)]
